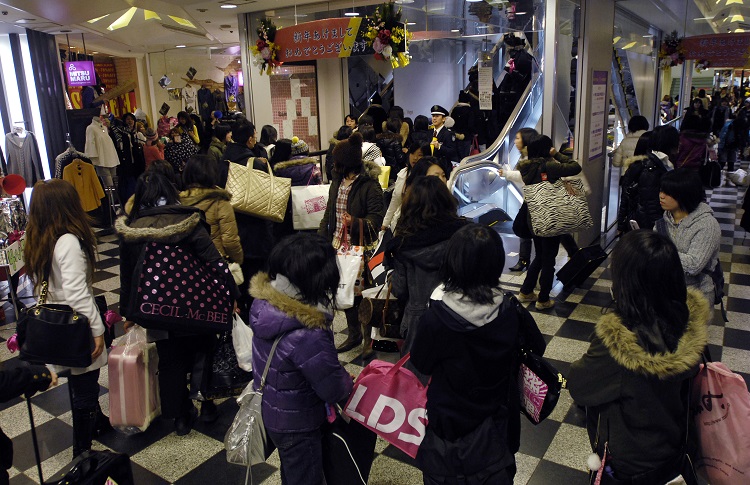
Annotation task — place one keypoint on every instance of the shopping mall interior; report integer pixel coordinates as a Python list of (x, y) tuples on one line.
[(590, 67)]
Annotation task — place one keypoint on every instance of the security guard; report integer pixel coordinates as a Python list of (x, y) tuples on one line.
[(443, 139)]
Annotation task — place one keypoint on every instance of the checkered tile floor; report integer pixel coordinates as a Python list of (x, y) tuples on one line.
[(553, 452)]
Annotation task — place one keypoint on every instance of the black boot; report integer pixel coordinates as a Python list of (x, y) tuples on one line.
[(355, 330), (520, 265), (84, 426), (102, 423)]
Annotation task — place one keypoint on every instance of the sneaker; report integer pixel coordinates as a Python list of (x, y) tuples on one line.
[(544, 305), (525, 298)]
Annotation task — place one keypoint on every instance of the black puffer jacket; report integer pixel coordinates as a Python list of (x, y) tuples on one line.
[(642, 182), (390, 146)]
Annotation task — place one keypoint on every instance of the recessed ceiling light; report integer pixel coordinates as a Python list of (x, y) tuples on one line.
[(411, 23), (24, 21), (351, 14), (229, 5), (455, 30), (180, 46)]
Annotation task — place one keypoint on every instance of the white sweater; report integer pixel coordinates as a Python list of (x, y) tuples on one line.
[(68, 284), (394, 208), (626, 148)]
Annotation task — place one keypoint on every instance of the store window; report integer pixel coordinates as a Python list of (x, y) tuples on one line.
[(294, 99)]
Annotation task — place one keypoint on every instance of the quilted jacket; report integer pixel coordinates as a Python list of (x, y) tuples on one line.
[(305, 372), (640, 192), (365, 202), (214, 202), (390, 146)]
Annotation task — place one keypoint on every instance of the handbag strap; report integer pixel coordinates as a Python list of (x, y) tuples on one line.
[(43, 293), (399, 364), (268, 362)]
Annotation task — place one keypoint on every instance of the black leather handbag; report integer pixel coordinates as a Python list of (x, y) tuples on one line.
[(54, 334), (217, 374)]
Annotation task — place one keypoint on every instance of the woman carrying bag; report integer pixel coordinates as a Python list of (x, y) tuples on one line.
[(468, 341), (293, 303), (60, 255), (539, 168), (634, 378), (355, 196), (157, 216)]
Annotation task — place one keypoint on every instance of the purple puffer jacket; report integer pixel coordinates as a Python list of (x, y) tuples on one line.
[(305, 372), (302, 171)]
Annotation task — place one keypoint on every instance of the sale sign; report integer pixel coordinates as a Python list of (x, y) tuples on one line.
[(80, 73)]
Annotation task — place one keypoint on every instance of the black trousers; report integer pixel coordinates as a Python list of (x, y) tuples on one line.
[(542, 268), (567, 241), (176, 358)]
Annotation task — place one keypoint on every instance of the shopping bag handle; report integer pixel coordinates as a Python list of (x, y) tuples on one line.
[(399, 364)]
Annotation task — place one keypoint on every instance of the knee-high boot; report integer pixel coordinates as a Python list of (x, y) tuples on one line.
[(84, 425)]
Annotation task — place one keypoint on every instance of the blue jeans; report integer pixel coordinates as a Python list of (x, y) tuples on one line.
[(301, 457)]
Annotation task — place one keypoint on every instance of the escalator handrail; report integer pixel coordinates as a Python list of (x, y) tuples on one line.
[(490, 152), (487, 156)]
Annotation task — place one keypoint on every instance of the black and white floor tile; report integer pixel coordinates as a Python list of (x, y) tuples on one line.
[(553, 452)]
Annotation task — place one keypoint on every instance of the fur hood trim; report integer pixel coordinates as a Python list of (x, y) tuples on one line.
[(194, 195), (630, 160), (307, 315), (170, 234), (372, 169), (623, 343), (296, 162)]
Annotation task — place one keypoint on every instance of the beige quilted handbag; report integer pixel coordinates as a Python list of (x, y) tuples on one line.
[(258, 193)]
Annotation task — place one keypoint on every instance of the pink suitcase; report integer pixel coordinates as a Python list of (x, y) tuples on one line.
[(133, 384)]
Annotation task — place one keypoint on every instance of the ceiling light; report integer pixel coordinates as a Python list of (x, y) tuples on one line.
[(97, 19), (229, 5), (180, 46), (401, 2), (411, 23), (351, 14), (455, 30), (124, 19), (95, 52), (24, 21), (629, 45), (616, 39)]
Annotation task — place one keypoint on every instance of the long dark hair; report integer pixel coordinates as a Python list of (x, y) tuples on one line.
[(463, 272), (420, 169), (643, 145), (150, 189), (308, 261), (55, 210), (428, 203), (648, 284)]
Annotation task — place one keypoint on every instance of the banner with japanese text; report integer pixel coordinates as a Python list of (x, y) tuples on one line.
[(324, 39), (720, 50)]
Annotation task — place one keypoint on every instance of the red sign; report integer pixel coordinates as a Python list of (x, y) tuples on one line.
[(320, 39), (720, 50), (107, 73)]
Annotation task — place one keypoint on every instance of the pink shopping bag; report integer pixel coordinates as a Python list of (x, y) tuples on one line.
[(390, 401), (722, 422)]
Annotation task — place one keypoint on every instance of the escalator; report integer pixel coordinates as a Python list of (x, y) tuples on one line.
[(483, 195)]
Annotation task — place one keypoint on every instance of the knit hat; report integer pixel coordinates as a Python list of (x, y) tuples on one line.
[(151, 135), (299, 147), (218, 114), (347, 155)]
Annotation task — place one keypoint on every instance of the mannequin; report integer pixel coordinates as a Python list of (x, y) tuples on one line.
[(231, 86), (22, 151), (189, 98), (101, 150)]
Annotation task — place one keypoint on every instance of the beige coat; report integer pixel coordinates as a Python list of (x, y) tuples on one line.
[(214, 202)]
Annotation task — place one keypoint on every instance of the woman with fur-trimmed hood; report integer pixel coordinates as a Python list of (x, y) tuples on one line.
[(158, 216), (635, 375), (293, 305)]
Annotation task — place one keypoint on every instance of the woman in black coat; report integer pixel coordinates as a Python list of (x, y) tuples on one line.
[(468, 342)]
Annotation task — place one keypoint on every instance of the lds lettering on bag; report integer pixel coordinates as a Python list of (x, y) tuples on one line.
[(415, 419)]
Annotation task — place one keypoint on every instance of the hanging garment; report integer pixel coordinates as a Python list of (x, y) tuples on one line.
[(99, 146), (231, 88), (206, 103), (189, 99), (23, 157), (220, 102), (66, 158), (83, 177)]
